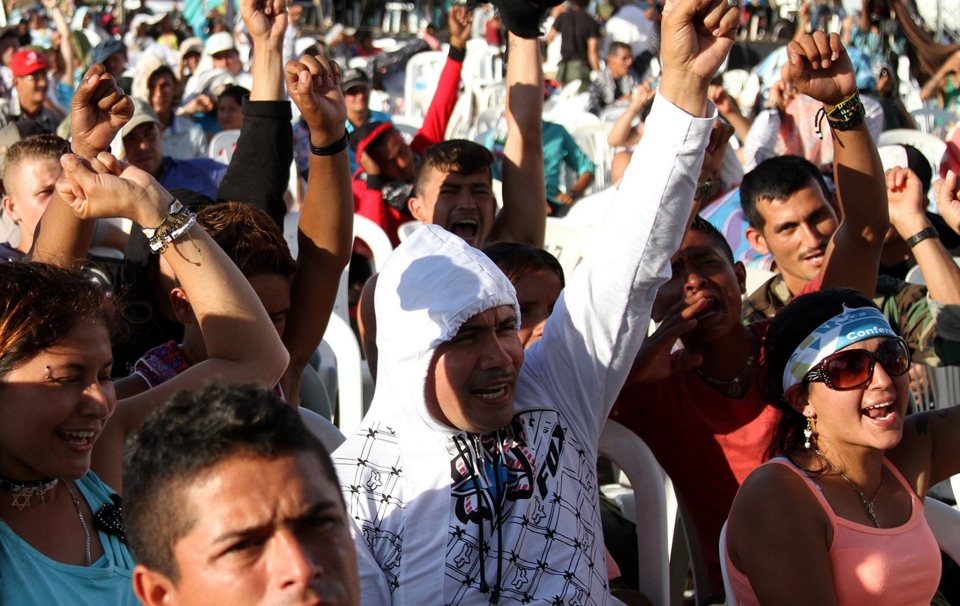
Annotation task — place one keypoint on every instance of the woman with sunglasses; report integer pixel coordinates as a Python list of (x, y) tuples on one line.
[(836, 517)]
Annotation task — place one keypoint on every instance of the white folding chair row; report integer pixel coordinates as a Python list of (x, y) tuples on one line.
[(934, 121), (568, 242)]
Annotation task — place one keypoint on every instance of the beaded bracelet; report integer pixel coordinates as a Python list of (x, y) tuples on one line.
[(846, 115)]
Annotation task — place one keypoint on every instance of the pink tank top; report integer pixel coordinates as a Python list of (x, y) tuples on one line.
[(876, 566)]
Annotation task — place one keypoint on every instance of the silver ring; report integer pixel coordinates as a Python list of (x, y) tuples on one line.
[(732, 4)]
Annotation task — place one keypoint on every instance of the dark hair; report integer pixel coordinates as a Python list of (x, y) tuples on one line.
[(235, 92), (705, 227), (163, 69), (456, 155), (616, 46), (516, 260), (362, 133), (777, 179), (250, 238), (39, 306), (790, 327), (186, 437)]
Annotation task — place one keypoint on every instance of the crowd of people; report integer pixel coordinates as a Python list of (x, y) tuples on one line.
[(160, 440)]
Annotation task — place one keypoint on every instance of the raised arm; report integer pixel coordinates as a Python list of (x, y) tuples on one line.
[(66, 44), (523, 217), (325, 231), (821, 69), (260, 168), (241, 343), (98, 110), (601, 318), (623, 133)]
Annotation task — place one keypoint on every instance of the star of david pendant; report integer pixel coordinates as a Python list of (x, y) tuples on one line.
[(21, 498)]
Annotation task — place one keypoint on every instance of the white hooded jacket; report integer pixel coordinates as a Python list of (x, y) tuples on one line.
[(511, 517)]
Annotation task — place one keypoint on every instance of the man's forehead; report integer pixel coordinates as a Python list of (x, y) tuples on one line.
[(490, 316)]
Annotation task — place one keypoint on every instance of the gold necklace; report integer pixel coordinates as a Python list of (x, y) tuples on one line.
[(867, 505)]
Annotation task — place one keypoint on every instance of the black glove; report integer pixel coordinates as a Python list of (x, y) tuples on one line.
[(522, 17)]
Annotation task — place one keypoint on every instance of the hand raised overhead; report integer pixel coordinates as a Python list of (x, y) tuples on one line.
[(97, 113), (696, 36), (106, 187), (820, 68), (265, 20), (314, 85)]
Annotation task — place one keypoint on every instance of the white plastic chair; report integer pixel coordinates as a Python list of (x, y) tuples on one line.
[(932, 148), (324, 430), (222, 145), (592, 140), (567, 242), (340, 338), (420, 82), (756, 278), (944, 521), (647, 479), (934, 121), (572, 118), (374, 237)]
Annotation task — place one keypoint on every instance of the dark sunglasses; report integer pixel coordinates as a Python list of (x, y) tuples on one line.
[(853, 368)]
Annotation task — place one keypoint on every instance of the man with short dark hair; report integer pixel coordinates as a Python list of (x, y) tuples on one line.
[(229, 499), (616, 82), (786, 203)]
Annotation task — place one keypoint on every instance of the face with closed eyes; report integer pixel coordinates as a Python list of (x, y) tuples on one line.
[(30, 184), (265, 531)]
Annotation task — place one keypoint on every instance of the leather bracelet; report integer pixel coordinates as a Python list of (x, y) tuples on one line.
[(923, 234), (332, 149)]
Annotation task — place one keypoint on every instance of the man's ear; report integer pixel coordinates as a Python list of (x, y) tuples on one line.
[(757, 241), (418, 209), (9, 208), (182, 309), (152, 587), (741, 273)]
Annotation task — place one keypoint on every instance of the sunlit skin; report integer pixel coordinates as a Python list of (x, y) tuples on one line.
[(162, 93), (619, 63), (39, 441), (265, 531), (796, 232), (395, 158), (841, 426), (30, 185), (228, 60), (462, 204), (471, 384), (702, 275), (537, 292), (144, 148), (31, 90), (228, 114)]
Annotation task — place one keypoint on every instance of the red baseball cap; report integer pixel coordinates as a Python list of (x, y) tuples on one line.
[(27, 61)]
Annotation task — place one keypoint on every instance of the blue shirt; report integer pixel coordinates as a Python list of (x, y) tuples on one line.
[(201, 175), (28, 577), (559, 148)]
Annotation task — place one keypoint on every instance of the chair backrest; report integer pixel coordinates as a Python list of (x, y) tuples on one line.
[(734, 81), (339, 336), (420, 82), (374, 237), (567, 242), (944, 521), (222, 145), (637, 462), (727, 587), (571, 117), (932, 148), (934, 387), (324, 430), (592, 140), (934, 121)]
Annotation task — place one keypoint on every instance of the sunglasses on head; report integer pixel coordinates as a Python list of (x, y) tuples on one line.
[(853, 368)]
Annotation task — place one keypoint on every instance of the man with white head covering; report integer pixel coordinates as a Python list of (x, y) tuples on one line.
[(473, 477)]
